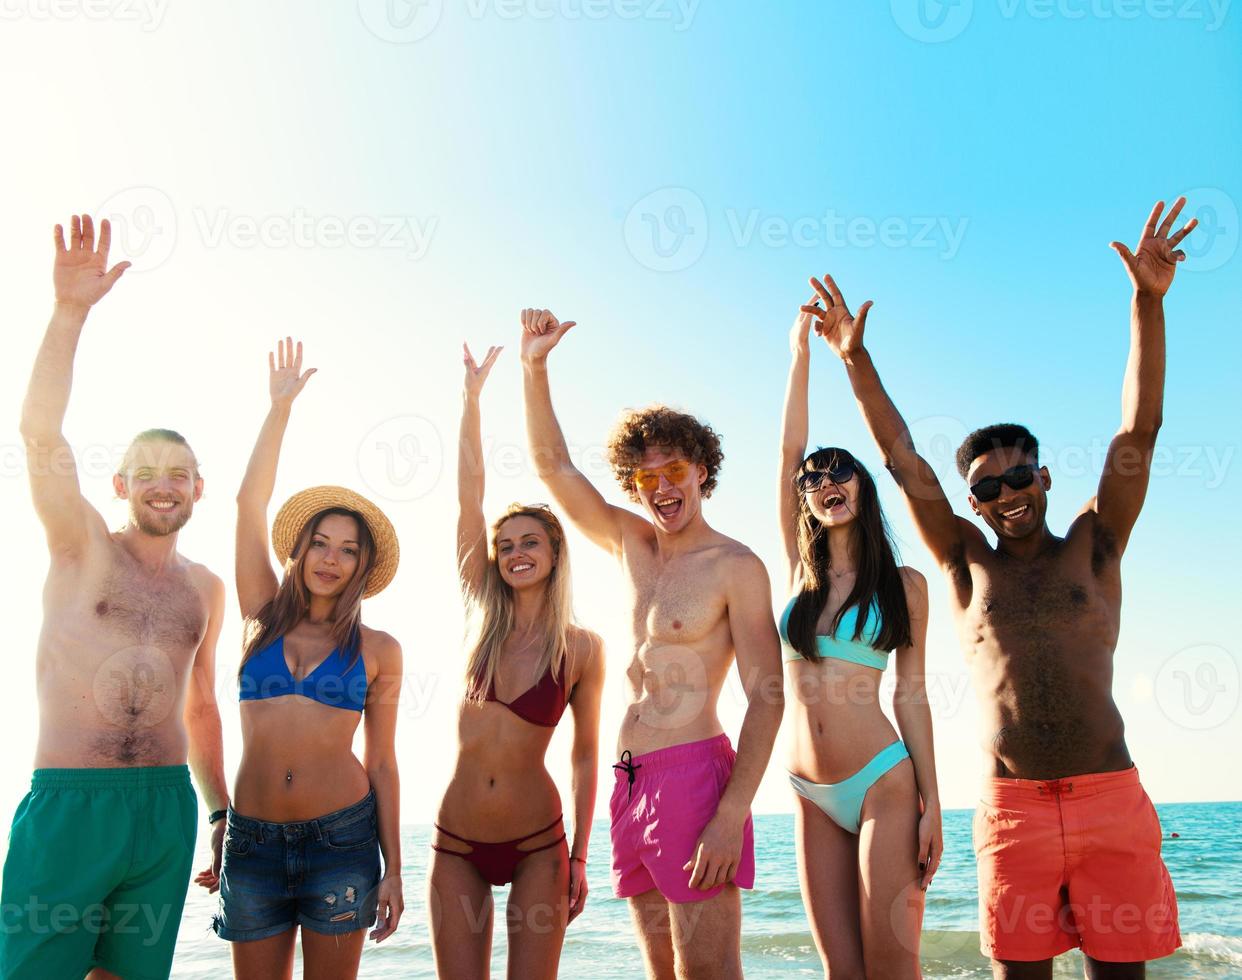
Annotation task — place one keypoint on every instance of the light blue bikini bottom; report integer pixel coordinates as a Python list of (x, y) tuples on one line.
[(843, 801)]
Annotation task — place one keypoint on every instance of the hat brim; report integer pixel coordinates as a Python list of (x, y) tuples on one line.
[(301, 507)]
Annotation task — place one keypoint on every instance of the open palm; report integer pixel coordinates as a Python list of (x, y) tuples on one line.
[(286, 380), (1152, 265), (842, 331), (80, 274)]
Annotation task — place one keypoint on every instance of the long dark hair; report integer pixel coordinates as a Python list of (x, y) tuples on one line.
[(292, 599), (877, 582)]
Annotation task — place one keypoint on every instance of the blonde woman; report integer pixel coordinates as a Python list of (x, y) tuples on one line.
[(528, 662), (309, 821)]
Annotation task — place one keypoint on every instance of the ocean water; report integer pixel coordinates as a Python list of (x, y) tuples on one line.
[(1205, 861)]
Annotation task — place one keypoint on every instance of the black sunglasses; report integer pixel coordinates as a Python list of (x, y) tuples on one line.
[(839, 472), (1016, 478)]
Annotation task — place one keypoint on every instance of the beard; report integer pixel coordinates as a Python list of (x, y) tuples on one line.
[(159, 525)]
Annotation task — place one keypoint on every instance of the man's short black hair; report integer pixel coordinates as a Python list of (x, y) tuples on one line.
[(1007, 435)]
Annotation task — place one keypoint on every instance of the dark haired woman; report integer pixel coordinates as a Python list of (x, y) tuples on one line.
[(528, 662), (309, 821), (868, 810)]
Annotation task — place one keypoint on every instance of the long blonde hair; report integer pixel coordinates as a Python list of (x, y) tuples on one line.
[(490, 618), (291, 602)]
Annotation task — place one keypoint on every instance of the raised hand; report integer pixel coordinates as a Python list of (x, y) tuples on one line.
[(80, 274), (541, 331), (1152, 264), (476, 374), (841, 329), (286, 379), (800, 332)]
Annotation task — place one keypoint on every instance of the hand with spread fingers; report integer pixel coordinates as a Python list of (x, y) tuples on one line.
[(1152, 264), (541, 331), (833, 321), (81, 276), (286, 379), (476, 374)]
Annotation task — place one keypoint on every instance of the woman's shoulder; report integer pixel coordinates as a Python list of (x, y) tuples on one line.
[(377, 643), (584, 648)]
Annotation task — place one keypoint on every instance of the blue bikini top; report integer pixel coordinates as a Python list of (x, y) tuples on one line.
[(335, 682), (842, 645)]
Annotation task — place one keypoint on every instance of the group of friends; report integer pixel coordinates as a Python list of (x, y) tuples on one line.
[(1067, 842)]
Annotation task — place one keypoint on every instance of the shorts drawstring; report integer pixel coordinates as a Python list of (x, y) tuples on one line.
[(629, 768)]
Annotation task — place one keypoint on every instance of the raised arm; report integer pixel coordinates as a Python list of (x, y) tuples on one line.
[(256, 580), (794, 427), (573, 492), (1127, 467), (943, 532), (471, 527), (81, 277), (584, 703), (757, 647)]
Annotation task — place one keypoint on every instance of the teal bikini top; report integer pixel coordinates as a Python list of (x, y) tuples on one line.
[(841, 646)]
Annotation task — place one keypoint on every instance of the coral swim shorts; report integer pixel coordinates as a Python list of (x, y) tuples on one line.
[(1073, 863)]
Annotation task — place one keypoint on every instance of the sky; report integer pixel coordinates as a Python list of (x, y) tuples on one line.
[(385, 180)]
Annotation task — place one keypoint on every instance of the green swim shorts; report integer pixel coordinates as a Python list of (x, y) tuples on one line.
[(96, 874)]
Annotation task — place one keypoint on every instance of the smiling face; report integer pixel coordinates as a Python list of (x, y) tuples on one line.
[(1015, 513), (524, 553), (161, 482), (832, 502), (669, 487), (333, 555)]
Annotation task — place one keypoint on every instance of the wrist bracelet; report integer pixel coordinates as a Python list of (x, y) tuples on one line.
[(583, 860), (217, 815)]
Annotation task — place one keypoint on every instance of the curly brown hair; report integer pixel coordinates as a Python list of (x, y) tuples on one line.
[(658, 427)]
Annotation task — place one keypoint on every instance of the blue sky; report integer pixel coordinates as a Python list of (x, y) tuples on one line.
[(387, 180)]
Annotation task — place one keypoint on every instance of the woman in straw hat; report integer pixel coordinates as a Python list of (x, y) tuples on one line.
[(527, 663), (309, 821)]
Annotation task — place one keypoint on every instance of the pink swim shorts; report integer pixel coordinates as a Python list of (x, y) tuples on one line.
[(661, 802)]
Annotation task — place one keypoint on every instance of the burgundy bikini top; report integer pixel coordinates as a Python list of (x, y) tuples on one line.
[(543, 704)]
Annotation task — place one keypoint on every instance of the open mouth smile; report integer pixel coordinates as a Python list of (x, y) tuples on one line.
[(667, 507), (518, 567), (162, 506), (1014, 513)]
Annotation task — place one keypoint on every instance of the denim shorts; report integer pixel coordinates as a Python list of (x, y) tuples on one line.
[(322, 874)]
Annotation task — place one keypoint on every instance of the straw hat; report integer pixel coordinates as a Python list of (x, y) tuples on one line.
[(301, 507)]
